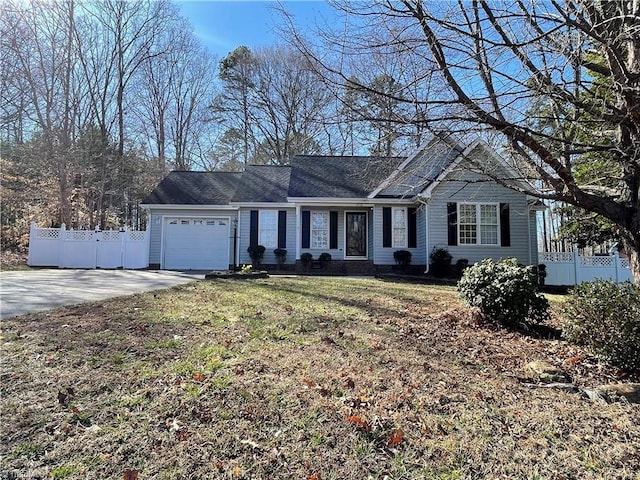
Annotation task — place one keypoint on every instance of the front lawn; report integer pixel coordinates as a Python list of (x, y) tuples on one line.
[(297, 378)]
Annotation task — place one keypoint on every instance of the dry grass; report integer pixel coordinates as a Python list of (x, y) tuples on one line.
[(304, 378)]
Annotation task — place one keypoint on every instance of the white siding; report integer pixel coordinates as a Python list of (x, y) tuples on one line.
[(157, 222), (468, 189), (384, 255), (269, 257), (336, 253)]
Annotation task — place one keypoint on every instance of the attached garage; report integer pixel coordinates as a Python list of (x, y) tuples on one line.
[(196, 243)]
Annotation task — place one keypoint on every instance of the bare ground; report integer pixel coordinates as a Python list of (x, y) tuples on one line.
[(298, 378)]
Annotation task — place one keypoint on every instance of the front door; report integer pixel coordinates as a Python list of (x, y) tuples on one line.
[(356, 234)]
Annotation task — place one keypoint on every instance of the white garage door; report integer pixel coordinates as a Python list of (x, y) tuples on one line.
[(196, 243)]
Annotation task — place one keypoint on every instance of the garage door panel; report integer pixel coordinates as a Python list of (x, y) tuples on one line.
[(196, 243)]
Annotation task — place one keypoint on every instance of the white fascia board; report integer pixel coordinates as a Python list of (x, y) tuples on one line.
[(337, 202), (262, 205), (535, 204), (385, 183), (478, 142), (160, 206), (426, 193)]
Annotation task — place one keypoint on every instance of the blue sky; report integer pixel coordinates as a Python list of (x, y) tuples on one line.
[(224, 25)]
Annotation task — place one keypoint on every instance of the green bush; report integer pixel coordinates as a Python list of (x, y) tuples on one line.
[(505, 293), (402, 257), (325, 257), (440, 259), (281, 256), (256, 252), (605, 318)]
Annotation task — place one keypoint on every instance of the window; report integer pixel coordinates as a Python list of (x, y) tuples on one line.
[(268, 225), (478, 223), (319, 229), (399, 227)]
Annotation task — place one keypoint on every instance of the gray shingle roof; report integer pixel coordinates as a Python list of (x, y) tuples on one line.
[(312, 176), (195, 188), (338, 177), (263, 183), (422, 170)]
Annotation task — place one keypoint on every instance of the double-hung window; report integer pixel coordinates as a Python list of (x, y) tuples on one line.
[(400, 227), (268, 228), (319, 229), (478, 223)]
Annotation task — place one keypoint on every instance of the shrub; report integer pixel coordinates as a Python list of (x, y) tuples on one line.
[(605, 318), (306, 258), (440, 260), (324, 257), (281, 256), (461, 265), (402, 257), (256, 252), (504, 292)]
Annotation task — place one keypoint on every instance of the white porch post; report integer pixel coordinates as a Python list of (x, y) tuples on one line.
[(298, 231)]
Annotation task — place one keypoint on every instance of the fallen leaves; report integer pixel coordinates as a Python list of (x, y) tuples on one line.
[(396, 437), (358, 421), (130, 474)]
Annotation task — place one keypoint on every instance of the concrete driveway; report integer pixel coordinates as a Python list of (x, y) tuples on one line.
[(23, 292)]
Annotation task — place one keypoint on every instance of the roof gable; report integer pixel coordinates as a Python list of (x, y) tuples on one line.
[(421, 169)]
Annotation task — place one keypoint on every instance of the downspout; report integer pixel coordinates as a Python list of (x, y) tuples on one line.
[(298, 230), (236, 254), (423, 201), (529, 231)]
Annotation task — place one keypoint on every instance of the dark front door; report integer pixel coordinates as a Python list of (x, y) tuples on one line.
[(356, 234)]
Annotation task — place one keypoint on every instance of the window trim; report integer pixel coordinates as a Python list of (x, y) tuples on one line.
[(311, 229), (479, 224), (261, 227), (405, 241)]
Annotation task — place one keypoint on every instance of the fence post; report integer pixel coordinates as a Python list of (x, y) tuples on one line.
[(576, 263), (616, 261), (32, 232), (61, 239), (124, 240)]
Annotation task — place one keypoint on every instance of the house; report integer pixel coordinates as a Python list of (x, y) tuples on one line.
[(360, 210)]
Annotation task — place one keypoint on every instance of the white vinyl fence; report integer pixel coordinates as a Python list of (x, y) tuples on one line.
[(569, 268), (59, 247)]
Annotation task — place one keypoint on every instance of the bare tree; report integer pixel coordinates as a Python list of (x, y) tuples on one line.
[(175, 89), (498, 61), (275, 101)]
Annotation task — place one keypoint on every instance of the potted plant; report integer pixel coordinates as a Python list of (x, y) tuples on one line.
[(256, 253), (402, 258), (461, 265), (305, 259), (324, 258), (440, 259), (281, 256)]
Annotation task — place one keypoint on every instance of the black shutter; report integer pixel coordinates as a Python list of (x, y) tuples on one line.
[(306, 228), (386, 226), (505, 229), (253, 229), (413, 228), (282, 229), (452, 223), (333, 229)]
